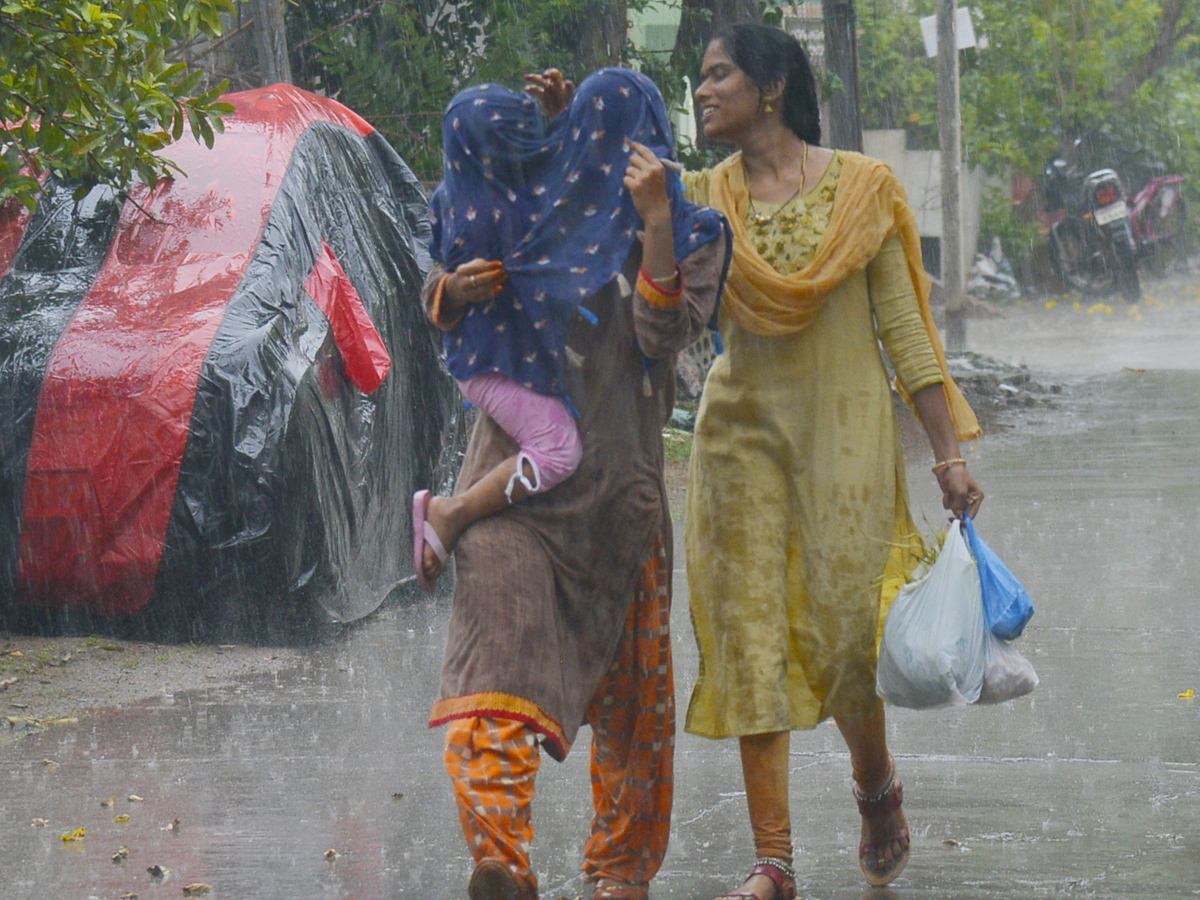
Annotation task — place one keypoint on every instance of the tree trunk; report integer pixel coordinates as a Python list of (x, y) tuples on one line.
[(270, 37), (698, 22), (602, 37), (841, 59)]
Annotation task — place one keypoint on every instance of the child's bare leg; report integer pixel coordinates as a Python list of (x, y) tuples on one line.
[(451, 516)]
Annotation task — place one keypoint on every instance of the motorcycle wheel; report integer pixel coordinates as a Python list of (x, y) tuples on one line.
[(1126, 274)]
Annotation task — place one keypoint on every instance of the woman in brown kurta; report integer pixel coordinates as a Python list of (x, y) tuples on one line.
[(561, 602), (797, 510)]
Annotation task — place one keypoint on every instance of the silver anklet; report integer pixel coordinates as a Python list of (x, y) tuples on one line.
[(881, 792), (777, 862)]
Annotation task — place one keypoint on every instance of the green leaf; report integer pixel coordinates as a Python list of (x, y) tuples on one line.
[(108, 96)]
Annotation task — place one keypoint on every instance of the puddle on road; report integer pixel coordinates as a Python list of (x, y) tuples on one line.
[(1088, 788)]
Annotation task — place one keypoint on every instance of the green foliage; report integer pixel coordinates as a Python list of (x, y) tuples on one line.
[(1018, 236), (1050, 72), (898, 85), (89, 92), (399, 63)]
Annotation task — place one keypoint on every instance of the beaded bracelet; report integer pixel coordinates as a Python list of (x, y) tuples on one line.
[(655, 293), (938, 468)]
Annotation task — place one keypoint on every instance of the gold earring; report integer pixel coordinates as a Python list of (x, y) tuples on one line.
[(767, 107)]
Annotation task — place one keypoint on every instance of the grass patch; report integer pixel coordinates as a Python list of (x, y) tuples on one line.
[(677, 445)]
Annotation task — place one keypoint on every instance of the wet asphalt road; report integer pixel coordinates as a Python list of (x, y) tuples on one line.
[(1088, 788)]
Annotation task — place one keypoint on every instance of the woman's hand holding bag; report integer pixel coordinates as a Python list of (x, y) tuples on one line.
[(937, 650)]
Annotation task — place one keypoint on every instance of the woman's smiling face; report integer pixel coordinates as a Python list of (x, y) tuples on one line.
[(728, 100)]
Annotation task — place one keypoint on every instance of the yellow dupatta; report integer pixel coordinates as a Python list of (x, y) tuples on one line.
[(870, 205)]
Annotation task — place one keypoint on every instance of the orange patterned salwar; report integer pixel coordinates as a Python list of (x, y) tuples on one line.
[(493, 761)]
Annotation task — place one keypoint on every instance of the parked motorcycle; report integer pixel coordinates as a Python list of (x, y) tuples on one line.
[(1092, 244), (1159, 220), (1158, 216)]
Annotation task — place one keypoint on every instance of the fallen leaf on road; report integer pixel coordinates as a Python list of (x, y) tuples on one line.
[(122, 819), (109, 802), (171, 826), (198, 888), (158, 872), (8, 682), (121, 855), (332, 854), (39, 823), (134, 798), (77, 835)]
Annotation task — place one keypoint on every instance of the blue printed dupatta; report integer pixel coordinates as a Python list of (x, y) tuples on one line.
[(549, 202)]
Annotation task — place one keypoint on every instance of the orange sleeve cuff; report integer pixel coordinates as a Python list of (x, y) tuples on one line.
[(656, 295), (435, 312)]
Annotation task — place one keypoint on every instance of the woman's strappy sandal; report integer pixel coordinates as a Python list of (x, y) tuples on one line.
[(882, 802), (611, 889), (781, 873)]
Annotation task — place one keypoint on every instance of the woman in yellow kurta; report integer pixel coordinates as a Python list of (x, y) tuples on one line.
[(798, 523)]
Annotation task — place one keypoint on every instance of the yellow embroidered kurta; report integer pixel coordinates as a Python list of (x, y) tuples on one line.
[(797, 520)]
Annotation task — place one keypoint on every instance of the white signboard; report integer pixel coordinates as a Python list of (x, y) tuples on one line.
[(964, 31)]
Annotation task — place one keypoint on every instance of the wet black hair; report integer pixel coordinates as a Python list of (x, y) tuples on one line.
[(769, 56)]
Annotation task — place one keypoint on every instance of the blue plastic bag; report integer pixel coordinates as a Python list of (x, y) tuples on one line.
[(1006, 605)]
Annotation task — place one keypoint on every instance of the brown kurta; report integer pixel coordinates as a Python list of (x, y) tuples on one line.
[(542, 590)]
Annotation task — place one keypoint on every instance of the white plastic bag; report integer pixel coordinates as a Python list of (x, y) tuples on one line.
[(935, 640), (1008, 674)]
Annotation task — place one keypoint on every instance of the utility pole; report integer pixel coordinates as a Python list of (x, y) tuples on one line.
[(841, 58), (950, 142)]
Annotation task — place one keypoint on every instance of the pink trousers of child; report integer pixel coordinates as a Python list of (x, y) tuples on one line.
[(542, 426)]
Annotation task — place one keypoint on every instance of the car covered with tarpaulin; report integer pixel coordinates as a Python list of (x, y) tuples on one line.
[(218, 393)]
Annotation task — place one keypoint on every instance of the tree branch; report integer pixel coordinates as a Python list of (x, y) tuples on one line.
[(1170, 32)]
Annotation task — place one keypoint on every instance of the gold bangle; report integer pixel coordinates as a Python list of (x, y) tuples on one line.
[(945, 464)]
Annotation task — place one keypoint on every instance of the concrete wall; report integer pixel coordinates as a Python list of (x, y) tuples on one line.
[(920, 171)]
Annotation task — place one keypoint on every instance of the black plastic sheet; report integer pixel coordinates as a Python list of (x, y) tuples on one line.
[(219, 411)]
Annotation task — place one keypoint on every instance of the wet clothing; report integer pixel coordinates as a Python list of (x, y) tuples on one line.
[(542, 426), (542, 590), (549, 203), (799, 531), (493, 761), (562, 601)]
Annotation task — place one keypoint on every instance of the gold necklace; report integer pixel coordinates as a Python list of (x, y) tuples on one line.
[(761, 219)]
